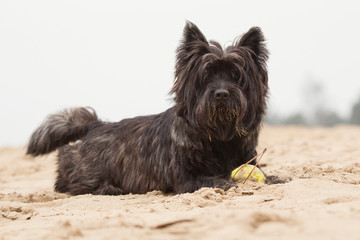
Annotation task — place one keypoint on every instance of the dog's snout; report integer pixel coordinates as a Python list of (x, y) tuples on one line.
[(221, 94)]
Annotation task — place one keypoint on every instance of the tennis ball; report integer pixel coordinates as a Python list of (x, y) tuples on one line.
[(242, 172)]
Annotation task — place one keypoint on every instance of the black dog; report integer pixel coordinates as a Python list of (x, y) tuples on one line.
[(220, 100)]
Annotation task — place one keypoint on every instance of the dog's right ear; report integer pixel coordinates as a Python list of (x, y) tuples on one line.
[(192, 34), (189, 55), (192, 47), (193, 43)]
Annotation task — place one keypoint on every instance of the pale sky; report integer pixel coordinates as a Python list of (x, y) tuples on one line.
[(118, 56)]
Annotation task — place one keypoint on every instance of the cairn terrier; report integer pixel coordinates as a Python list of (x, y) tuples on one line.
[(220, 99)]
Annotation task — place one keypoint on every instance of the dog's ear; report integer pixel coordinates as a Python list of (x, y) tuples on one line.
[(255, 41), (193, 34), (189, 55), (193, 43)]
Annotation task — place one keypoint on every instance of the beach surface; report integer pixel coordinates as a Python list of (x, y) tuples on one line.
[(321, 202)]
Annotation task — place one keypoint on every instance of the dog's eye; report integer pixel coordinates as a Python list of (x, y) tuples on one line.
[(206, 76), (235, 75)]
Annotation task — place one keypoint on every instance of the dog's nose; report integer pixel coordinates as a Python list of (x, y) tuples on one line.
[(221, 94)]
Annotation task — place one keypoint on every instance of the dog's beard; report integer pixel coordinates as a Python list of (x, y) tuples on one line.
[(222, 121)]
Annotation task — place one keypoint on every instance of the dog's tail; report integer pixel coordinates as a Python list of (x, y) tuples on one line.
[(61, 128)]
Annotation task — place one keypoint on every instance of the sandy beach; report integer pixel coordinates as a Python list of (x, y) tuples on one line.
[(321, 202)]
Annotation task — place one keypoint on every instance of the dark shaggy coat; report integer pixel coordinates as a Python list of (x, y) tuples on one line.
[(220, 100)]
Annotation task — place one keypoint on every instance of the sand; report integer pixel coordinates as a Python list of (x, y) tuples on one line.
[(321, 202)]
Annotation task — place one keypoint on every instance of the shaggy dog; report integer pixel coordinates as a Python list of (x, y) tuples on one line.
[(220, 100)]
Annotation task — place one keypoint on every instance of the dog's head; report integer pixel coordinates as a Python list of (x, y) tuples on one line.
[(221, 91)]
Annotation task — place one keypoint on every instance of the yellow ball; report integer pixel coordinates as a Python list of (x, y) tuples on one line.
[(242, 172)]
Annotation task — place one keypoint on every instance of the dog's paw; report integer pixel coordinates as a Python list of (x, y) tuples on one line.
[(225, 184), (272, 179)]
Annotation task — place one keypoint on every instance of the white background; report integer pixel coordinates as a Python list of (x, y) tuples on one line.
[(118, 56)]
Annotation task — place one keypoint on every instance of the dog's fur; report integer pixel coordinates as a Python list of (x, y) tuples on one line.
[(220, 100)]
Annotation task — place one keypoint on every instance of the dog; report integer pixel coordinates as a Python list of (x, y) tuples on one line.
[(220, 97)]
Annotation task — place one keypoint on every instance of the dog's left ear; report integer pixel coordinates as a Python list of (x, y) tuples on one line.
[(255, 41)]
